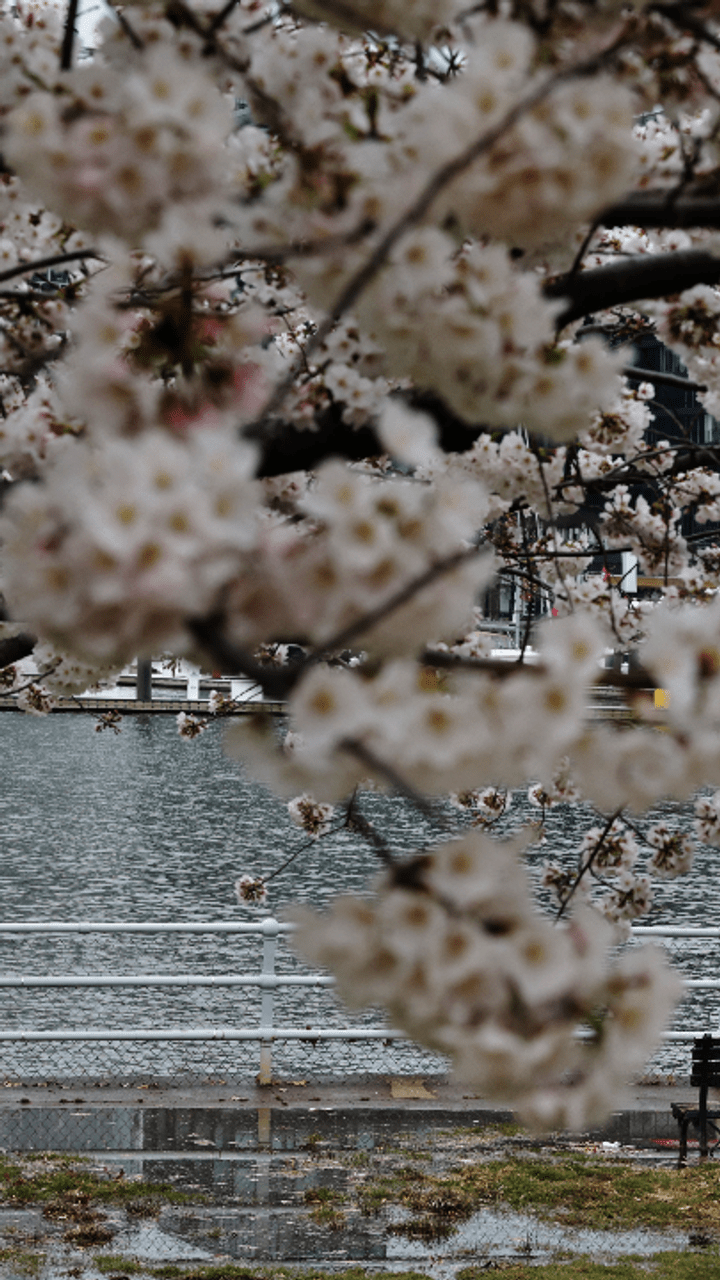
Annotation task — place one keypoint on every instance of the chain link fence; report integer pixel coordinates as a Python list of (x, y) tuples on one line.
[(183, 1004), (177, 1005), (204, 1059)]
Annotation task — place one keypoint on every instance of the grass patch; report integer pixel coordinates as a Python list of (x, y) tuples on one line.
[(116, 1262), (325, 1207), (60, 1178), (574, 1190), (667, 1266), (358, 1160), (483, 1131), (231, 1271), (22, 1261)]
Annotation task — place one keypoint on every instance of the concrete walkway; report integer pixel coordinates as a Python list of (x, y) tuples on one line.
[(287, 1115)]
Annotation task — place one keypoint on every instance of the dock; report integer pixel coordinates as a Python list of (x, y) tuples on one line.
[(158, 706)]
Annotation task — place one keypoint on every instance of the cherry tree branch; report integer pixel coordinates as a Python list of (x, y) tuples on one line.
[(681, 15), (587, 865), (126, 26), (667, 379), (234, 660), (659, 208), (356, 821), (630, 281), (55, 260), (66, 50), (14, 648), (345, 638), (363, 753)]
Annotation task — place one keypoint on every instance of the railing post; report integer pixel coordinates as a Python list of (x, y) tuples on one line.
[(270, 931)]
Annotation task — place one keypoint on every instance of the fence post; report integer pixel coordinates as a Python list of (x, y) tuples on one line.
[(270, 929)]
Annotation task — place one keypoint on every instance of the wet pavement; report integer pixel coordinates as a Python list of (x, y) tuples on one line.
[(285, 1115)]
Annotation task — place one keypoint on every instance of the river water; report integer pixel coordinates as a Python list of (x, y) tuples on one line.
[(143, 825)]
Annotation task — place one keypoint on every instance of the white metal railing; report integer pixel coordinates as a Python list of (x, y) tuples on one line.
[(680, 932), (268, 981)]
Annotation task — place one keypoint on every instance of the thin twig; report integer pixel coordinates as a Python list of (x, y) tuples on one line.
[(583, 249), (221, 18), (588, 862), (36, 679), (129, 30), (307, 844), (354, 747), (354, 630), (304, 248), (356, 821), (549, 506)]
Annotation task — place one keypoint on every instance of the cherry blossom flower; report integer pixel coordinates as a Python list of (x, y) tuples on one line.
[(251, 891)]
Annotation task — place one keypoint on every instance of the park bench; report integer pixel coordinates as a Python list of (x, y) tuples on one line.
[(706, 1075)]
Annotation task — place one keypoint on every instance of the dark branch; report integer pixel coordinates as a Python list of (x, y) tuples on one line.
[(660, 209), (355, 747), (632, 280), (667, 379), (130, 32), (587, 865), (233, 660), (682, 17), (15, 648), (66, 51), (289, 448), (42, 264)]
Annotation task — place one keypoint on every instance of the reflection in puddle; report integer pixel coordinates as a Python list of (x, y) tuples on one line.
[(275, 1207), (289, 1235), (150, 1243), (260, 1213)]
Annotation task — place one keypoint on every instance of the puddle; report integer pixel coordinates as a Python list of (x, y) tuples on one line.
[(150, 1243), (507, 1235), (212, 1234), (290, 1235), (283, 1208)]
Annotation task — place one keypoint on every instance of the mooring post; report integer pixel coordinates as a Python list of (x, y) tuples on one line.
[(143, 681)]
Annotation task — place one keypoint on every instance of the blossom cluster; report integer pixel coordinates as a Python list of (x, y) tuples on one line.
[(114, 152), (453, 948), (313, 817), (162, 527), (493, 356)]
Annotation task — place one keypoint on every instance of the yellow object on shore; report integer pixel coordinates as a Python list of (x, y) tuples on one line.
[(662, 698)]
